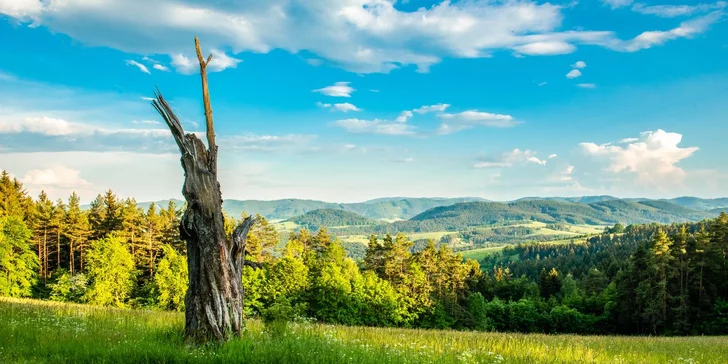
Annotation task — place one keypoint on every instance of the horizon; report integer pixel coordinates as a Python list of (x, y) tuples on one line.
[(404, 198), (348, 101)]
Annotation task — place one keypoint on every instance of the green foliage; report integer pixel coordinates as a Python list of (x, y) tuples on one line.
[(68, 287), (17, 260), (330, 217), (171, 279), (111, 272)]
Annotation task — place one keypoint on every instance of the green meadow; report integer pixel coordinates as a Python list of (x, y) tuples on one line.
[(45, 332)]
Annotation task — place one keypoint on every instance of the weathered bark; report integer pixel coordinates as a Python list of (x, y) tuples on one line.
[(214, 300)]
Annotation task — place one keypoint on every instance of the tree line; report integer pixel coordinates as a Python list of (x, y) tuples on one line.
[(642, 279)]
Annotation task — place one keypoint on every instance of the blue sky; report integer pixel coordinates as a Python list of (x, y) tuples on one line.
[(347, 100)]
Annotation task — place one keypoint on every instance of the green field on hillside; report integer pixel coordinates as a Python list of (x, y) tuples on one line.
[(44, 332), (480, 254)]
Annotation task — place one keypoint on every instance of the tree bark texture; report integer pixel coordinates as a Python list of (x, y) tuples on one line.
[(214, 300)]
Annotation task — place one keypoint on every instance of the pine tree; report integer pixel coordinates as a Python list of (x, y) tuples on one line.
[(77, 230), (58, 226), (132, 220), (42, 226), (153, 226), (14, 200)]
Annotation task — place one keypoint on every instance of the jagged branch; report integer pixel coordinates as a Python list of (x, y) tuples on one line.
[(163, 108), (240, 235)]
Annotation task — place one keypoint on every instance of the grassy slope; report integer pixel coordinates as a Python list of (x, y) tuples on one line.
[(40, 332)]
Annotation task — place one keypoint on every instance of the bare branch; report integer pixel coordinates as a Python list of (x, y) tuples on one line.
[(163, 108), (212, 147)]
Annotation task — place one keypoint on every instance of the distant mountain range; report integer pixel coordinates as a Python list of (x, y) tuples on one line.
[(584, 209)]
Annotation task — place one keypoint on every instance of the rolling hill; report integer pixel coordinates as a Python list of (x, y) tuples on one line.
[(331, 218), (600, 213)]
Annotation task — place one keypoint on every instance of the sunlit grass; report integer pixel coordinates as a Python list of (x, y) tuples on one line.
[(38, 332), (480, 254)]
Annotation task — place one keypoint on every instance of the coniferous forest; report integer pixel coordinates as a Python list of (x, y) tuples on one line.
[(647, 279)]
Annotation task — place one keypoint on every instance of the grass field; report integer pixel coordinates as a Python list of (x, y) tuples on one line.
[(43, 332), (480, 254)]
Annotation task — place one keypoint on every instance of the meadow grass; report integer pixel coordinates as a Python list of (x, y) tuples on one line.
[(481, 253), (40, 332)]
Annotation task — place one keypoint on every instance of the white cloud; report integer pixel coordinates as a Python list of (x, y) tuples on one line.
[(147, 98), (431, 108), (686, 29), (21, 9), (542, 83), (343, 107), (339, 89), (404, 116), (376, 126), (509, 159), (58, 127), (671, 11), (573, 74), (359, 35), (579, 64), (545, 48), (187, 65), (57, 176), (146, 122), (138, 65), (405, 160), (565, 175), (473, 118), (586, 85), (160, 67), (615, 4), (551, 156), (653, 158)]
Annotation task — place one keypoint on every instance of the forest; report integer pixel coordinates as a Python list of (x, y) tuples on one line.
[(642, 279)]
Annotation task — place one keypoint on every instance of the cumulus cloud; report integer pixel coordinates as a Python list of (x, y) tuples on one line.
[(57, 176), (160, 67), (545, 48), (509, 159), (579, 64), (551, 156), (653, 157), (339, 89), (138, 65), (343, 107), (573, 74), (431, 108), (473, 118), (359, 35), (40, 134), (189, 65), (48, 126), (376, 126), (404, 116)]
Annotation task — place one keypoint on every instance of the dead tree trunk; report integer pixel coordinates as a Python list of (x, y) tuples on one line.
[(214, 300)]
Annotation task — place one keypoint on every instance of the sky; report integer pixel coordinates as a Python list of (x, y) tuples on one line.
[(349, 100)]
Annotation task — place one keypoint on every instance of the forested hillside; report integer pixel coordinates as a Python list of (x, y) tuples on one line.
[(642, 279), (315, 219)]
